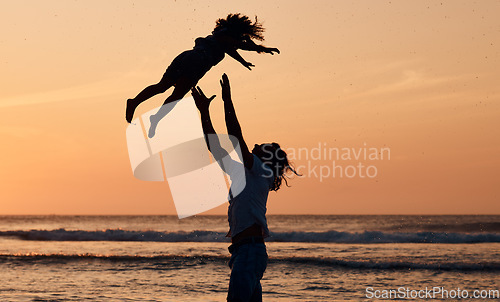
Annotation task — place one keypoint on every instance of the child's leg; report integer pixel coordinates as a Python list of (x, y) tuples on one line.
[(148, 92), (181, 89)]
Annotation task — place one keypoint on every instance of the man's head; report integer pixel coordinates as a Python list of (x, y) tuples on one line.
[(276, 161)]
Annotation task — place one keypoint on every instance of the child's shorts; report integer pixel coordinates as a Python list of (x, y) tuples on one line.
[(190, 65)]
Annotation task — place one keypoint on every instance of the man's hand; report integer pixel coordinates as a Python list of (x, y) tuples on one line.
[(226, 89), (201, 101)]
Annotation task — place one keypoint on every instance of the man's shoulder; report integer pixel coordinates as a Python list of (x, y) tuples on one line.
[(260, 168)]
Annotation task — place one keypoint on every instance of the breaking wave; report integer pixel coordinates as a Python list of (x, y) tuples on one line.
[(365, 237)]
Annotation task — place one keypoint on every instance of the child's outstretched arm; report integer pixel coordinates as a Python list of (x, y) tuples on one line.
[(233, 53), (250, 45)]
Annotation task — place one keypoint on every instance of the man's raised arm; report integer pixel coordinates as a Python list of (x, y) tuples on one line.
[(203, 104), (232, 124)]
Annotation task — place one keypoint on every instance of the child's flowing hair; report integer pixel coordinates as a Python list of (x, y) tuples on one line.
[(240, 26)]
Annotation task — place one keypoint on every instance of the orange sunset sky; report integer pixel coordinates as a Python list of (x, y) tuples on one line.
[(417, 77)]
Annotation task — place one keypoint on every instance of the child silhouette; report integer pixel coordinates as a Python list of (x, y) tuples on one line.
[(234, 32)]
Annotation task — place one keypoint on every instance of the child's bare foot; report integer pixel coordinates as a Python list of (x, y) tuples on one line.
[(152, 128), (129, 114)]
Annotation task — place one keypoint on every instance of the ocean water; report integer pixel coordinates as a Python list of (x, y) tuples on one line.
[(311, 258)]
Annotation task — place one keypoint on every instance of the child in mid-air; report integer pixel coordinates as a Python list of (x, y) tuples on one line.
[(230, 34)]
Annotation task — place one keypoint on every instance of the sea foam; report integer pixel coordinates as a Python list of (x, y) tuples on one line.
[(365, 237)]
